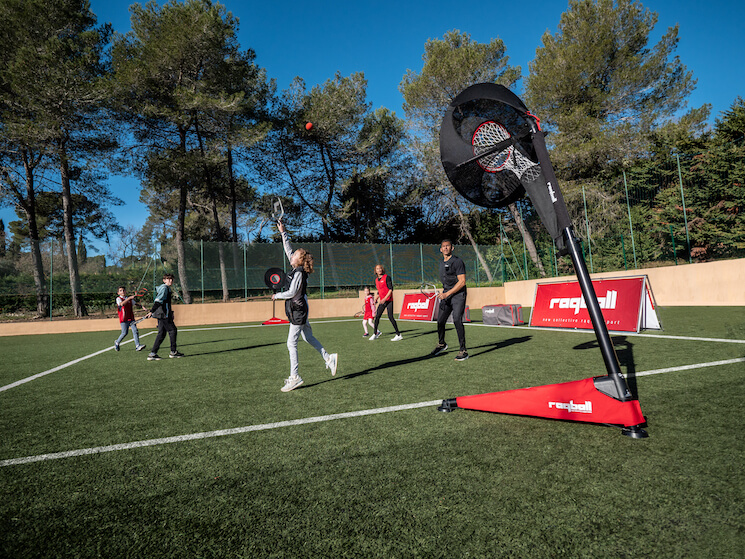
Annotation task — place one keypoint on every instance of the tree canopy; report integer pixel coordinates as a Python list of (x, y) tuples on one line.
[(181, 104)]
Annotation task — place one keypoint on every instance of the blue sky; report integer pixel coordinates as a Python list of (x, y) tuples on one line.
[(383, 39)]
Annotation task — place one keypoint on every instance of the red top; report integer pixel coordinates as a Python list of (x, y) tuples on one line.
[(369, 306), (382, 285), (126, 314)]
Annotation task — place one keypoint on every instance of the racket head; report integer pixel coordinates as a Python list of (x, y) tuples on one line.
[(278, 211), (359, 314), (488, 134), (429, 290), (141, 292)]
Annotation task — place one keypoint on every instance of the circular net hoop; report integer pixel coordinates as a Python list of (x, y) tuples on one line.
[(489, 134)]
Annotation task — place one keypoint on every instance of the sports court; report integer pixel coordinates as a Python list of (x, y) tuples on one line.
[(205, 454)]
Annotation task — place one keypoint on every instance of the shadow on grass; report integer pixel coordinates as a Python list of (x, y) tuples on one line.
[(407, 334), (208, 342), (420, 358), (625, 354), (244, 348)]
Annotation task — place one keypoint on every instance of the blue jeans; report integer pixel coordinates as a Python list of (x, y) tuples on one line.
[(126, 325)]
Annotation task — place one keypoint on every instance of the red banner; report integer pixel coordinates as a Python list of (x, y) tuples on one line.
[(561, 305), (417, 307)]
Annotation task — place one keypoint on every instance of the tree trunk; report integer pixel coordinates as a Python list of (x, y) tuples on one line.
[(180, 248), (220, 251), (78, 304), (181, 231), (215, 217), (465, 228), (223, 272), (40, 284), (237, 259), (527, 239)]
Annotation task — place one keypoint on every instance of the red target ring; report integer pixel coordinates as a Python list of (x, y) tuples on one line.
[(274, 278)]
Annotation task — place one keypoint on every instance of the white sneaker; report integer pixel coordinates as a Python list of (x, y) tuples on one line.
[(331, 363), (374, 336), (397, 338), (291, 383)]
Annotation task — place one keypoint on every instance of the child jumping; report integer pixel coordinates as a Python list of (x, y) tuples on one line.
[(296, 307), (369, 312), (127, 318)]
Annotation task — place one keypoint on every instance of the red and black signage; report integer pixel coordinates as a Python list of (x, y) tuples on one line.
[(418, 306), (626, 304)]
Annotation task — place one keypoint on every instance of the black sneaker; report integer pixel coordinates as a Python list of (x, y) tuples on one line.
[(439, 348), (174, 354), (153, 357), (462, 356)]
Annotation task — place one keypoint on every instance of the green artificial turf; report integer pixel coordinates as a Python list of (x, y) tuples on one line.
[(411, 483)]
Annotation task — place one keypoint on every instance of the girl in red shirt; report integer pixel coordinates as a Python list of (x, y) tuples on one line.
[(369, 312), (384, 284)]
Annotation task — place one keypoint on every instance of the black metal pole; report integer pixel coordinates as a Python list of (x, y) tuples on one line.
[(618, 388)]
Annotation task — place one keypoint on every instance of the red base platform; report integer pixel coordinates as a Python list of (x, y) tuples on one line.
[(574, 401)]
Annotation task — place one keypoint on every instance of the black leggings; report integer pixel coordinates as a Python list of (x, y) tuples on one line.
[(387, 305), (456, 305)]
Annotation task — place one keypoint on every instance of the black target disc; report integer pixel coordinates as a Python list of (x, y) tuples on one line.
[(274, 278), (486, 181)]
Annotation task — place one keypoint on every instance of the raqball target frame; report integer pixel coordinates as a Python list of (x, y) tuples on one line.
[(494, 152), (274, 278)]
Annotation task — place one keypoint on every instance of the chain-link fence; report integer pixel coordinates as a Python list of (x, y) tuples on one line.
[(688, 208), (337, 267)]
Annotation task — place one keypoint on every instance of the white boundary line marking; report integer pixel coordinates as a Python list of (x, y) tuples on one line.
[(75, 361), (591, 332), (63, 366), (212, 434), (266, 426), (690, 367), (524, 328)]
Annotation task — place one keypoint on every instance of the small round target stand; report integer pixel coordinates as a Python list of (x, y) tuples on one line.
[(274, 278)]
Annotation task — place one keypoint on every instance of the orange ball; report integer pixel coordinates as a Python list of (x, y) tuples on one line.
[(309, 125)]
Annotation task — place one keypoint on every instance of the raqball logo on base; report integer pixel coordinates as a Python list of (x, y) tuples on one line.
[(571, 407)]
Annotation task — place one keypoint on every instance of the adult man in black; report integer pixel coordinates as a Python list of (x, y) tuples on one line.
[(452, 299)]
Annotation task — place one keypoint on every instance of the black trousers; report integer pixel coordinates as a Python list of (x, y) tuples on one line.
[(165, 325), (455, 305), (387, 305)]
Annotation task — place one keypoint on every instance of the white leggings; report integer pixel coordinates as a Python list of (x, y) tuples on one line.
[(297, 330)]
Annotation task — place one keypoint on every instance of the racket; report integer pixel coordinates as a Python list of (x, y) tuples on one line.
[(359, 314), (428, 290), (278, 211), (140, 320), (141, 292), (496, 152)]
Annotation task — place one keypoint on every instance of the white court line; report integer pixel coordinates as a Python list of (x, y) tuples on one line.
[(591, 332), (690, 367), (211, 434), (266, 426), (524, 328), (70, 363), (63, 366)]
